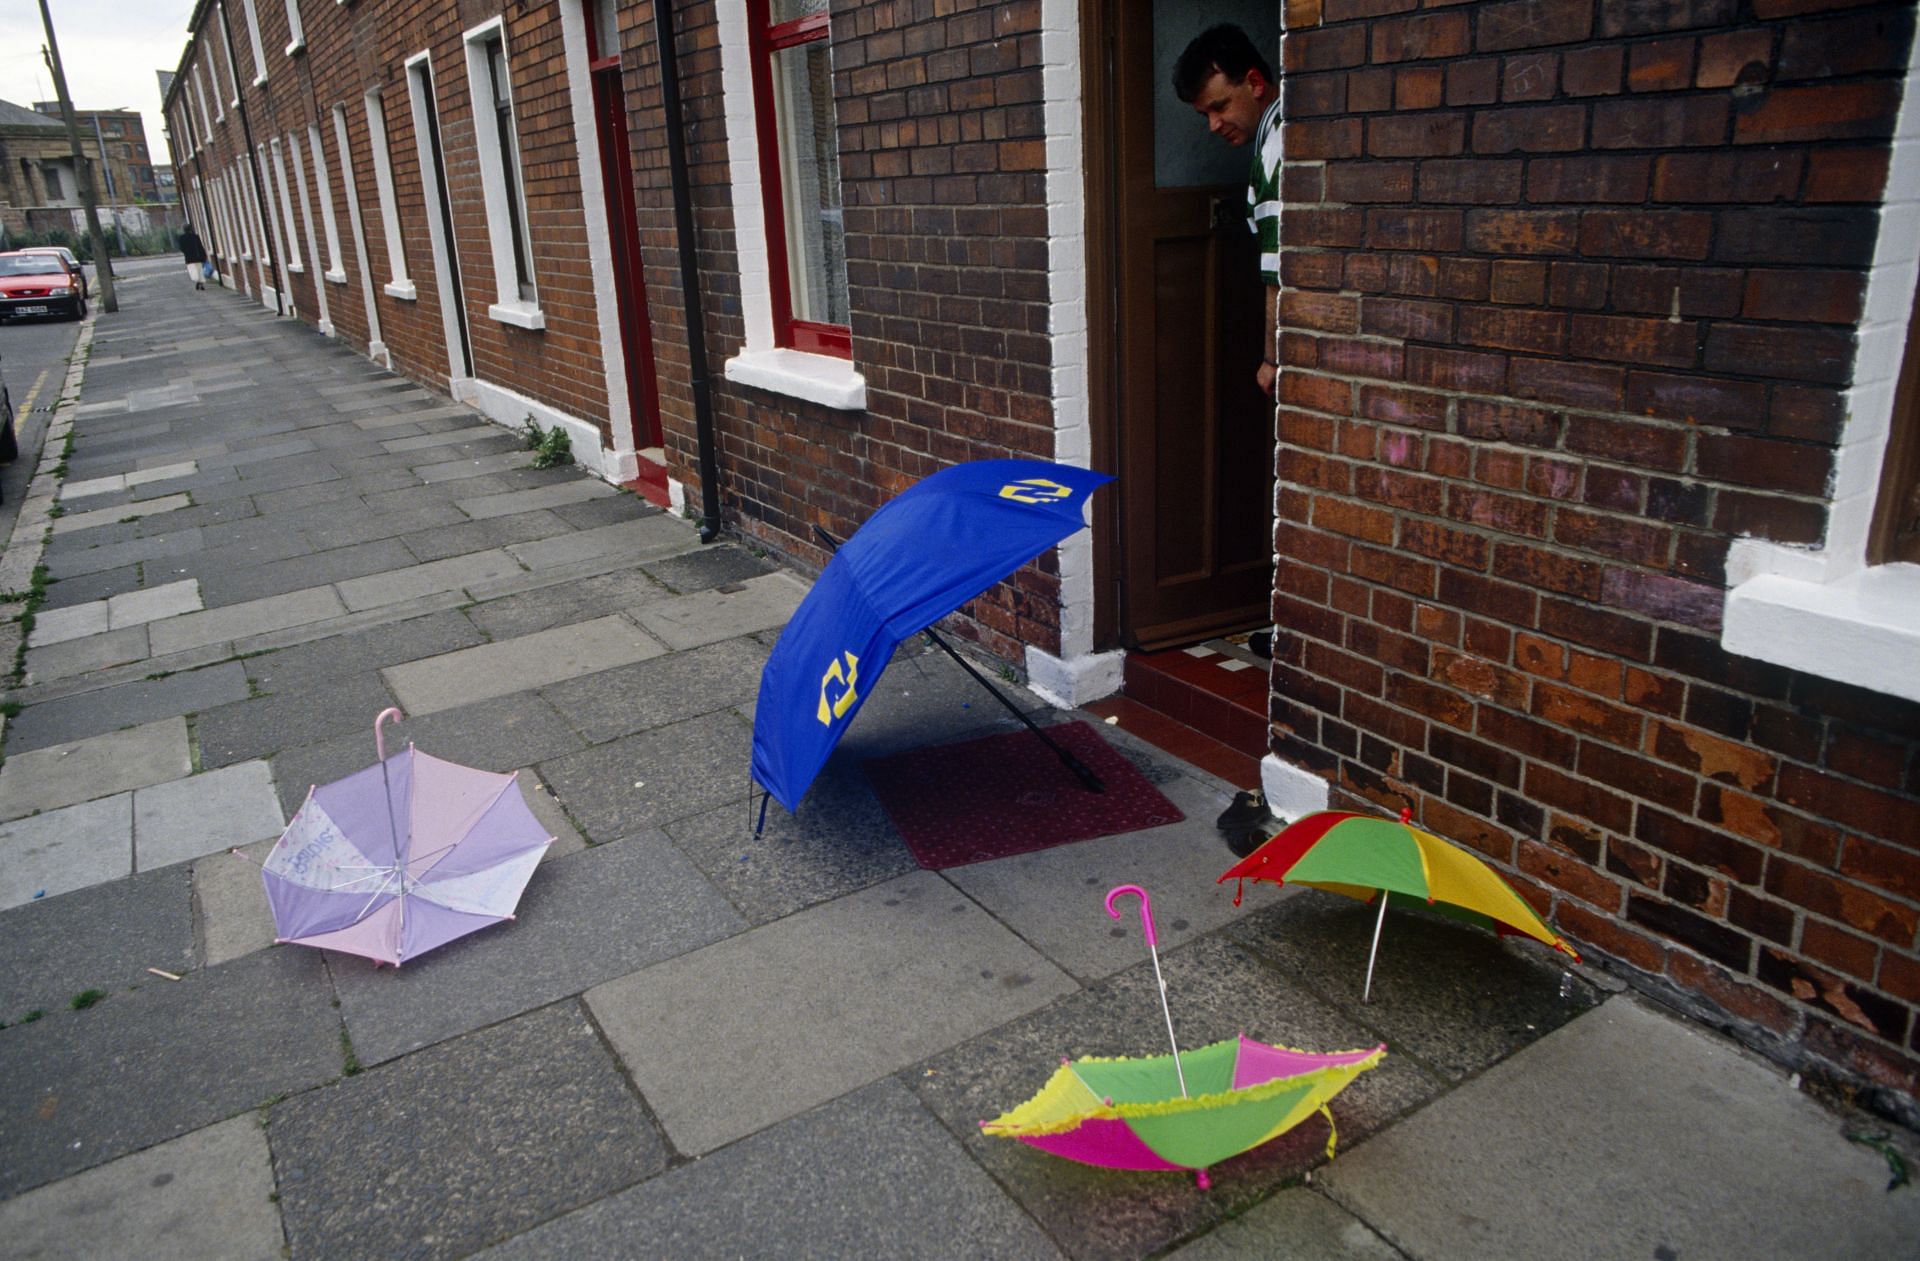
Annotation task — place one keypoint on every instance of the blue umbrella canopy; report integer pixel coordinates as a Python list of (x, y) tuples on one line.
[(937, 545)]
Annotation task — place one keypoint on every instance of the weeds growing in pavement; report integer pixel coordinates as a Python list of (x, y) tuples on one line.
[(87, 998), (550, 447)]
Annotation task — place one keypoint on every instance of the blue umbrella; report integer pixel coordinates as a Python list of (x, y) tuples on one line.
[(937, 545)]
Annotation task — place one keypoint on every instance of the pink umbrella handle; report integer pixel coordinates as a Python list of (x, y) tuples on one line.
[(1146, 909), (379, 741)]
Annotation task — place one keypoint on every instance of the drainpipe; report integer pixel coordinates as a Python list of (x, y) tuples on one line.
[(253, 164), (689, 274)]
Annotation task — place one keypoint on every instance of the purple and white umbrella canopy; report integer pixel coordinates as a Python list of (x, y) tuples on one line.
[(403, 856)]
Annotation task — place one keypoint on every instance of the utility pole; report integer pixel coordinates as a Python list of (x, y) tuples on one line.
[(102, 266)]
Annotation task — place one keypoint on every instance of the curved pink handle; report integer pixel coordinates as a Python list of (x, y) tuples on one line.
[(379, 741), (1146, 909)]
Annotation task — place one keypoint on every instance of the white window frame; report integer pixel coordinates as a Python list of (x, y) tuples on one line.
[(349, 186), (505, 211), (1825, 610), (329, 223), (233, 67), (259, 49), (200, 98), (296, 34), (313, 236), (400, 285), (289, 243), (825, 379), (423, 100)]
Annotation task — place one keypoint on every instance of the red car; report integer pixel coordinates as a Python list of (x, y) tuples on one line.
[(39, 284)]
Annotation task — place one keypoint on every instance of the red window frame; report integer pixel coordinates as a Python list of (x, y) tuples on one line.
[(763, 40)]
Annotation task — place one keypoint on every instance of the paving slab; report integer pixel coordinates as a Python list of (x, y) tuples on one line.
[(80, 770), (1715, 1152), (237, 621), (79, 656), (515, 665), (591, 514), (635, 540), (568, 492), (452, 574), (107, 709), (557, 605), (231, 914), (868, 1175), (839, 843), (1431, 973), (75, 522), (68, 592), (714, 565), (463, 536), (1215, 992), (472, 466), (891, 975), (324, 663), (205, 1196), (724, 612), (523, 1122), (665, 689), (203, 814), (649, 779), (237, 584), (170, 1058), (1294, 1223), (168, 599), (361, 528), (446, 438), (104, 936), (57, 625), (263, 725), (588, 918)]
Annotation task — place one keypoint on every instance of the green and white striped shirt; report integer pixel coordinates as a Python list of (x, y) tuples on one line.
[(1263, 192)]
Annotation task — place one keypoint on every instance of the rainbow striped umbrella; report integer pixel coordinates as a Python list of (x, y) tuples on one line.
[(1362, 856)]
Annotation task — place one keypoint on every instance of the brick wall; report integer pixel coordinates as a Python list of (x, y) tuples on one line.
[(1569, 297)]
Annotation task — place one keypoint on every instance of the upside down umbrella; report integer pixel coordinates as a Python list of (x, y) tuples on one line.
[(936, 545), (1187, 1110), (402, 856), (1362, 856)]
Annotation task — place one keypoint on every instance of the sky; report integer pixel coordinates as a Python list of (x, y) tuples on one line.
[(110, 49)]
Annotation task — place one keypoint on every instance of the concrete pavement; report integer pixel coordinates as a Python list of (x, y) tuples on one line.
[(691, 1042)]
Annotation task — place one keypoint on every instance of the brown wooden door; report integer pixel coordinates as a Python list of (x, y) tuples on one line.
[(1195, 443), (623, 229)]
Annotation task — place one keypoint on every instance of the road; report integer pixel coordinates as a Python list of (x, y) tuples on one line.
[(33, 363)]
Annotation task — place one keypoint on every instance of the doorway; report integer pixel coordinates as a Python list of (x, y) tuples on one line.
[(1176, 338)]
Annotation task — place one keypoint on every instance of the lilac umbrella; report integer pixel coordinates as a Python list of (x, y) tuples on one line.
[(403, 856)]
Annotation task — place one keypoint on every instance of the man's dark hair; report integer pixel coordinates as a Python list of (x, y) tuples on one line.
[(1225, 48)]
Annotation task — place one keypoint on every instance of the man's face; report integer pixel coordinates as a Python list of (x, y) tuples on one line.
[(1233, 110)]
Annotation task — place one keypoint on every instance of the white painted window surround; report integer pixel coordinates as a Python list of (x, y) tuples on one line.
[(306, 214), (297, 36), (508, 306), (290, 243), (335, 273), (1826, 611), (226, 45), (376, 347), (398, 284), (253, 33), (825, 379)]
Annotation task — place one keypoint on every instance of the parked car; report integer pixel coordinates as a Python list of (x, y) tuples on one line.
[(39, 284), (72, 260)]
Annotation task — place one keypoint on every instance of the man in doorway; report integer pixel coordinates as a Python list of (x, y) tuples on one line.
[(1226, 80)]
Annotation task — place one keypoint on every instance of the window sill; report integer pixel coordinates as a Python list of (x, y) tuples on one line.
[(822, 379), (518, 314), (297, 46), (260, 81), (1863, 629), (298, 269), (401, 289), (336, 277)]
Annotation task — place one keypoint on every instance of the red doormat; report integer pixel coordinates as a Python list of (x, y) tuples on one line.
[(1009, 794)]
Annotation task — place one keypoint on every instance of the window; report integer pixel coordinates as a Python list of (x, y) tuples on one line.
[(399, 286), (800, 159), (296, 37), (1896, 525), (259, 51), (200, 98), (499, 146), (290, 243), (233, 71), (335, 272)]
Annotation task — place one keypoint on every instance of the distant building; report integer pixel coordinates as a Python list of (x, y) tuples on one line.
[(127, 173)]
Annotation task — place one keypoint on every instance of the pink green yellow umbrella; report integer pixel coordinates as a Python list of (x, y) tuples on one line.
[(1362, 856), (1188, 1110)]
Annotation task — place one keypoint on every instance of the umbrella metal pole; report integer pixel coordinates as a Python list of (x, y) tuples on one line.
[(1380, 922), (1168, 1013), (1085, 773)]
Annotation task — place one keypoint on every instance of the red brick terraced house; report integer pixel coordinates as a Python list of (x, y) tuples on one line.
[(1588, 520)]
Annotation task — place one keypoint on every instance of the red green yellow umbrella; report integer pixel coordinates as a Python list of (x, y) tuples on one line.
[(1363, 856)]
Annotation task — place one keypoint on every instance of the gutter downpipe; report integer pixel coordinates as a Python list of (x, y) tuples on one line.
[(689, 274), (253, 163)]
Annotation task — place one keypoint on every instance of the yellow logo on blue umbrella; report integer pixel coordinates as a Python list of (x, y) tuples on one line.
[(837, 706), (1035, 490)]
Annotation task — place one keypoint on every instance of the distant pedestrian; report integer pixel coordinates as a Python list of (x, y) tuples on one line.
[(196, 255)]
